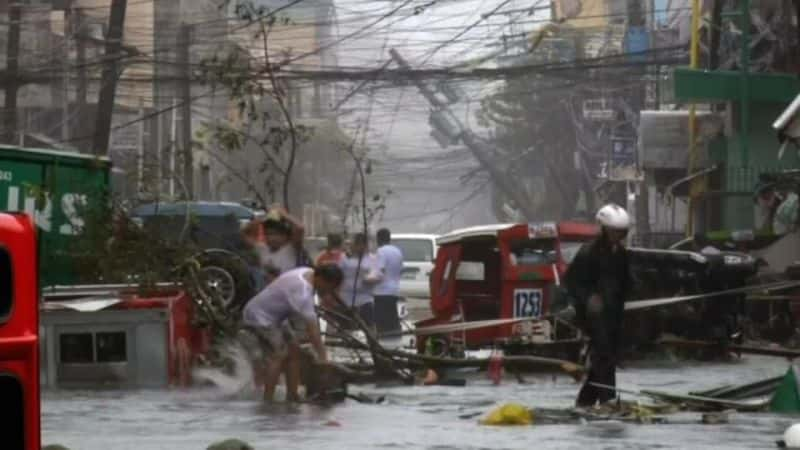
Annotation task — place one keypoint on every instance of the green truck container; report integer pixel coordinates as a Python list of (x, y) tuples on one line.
[(56, 188)]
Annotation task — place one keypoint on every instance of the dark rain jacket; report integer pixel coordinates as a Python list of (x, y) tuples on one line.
[(597, 269)]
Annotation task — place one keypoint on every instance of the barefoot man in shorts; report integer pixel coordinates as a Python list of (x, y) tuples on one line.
[(268, 315)]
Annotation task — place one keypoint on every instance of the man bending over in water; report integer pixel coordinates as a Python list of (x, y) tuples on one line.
[(267, 316)]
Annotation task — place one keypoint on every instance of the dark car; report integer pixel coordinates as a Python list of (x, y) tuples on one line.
[(212, 231)]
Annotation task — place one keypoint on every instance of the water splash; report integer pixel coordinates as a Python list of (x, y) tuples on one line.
[(238, 381)]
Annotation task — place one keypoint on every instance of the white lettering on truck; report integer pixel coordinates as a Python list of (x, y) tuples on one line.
[(70, 203), (69, 206)]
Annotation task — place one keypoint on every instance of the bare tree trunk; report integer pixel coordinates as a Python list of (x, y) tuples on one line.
[(276, 88), (108, 85)]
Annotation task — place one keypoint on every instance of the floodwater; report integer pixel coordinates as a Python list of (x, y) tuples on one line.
[(411, 417)]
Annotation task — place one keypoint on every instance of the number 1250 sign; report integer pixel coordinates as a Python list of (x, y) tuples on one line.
[(527, 302)]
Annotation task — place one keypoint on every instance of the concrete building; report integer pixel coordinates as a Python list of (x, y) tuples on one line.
[(738, 143)]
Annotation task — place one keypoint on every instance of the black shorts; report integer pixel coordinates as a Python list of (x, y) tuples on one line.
[(367, 314), (387, 320)]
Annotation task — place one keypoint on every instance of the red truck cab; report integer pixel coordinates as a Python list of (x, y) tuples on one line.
[(504, 271), (19, 333)]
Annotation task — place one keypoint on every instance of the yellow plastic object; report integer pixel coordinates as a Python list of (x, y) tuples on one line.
[(508, 414)]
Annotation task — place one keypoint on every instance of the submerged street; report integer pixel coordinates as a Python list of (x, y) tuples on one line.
[(412, 417), (385, 224)]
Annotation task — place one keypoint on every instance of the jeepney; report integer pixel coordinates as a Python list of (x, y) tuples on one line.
[(505, 271)]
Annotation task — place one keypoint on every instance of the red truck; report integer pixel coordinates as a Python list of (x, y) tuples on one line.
[(19, 332)]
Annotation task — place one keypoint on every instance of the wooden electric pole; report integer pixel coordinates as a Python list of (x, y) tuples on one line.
[(12, 74), (108, 83), (186, 108)]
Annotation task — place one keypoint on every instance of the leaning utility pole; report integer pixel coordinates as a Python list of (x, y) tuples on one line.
[(108, 83), (12, 73), (186, 109), (473, 143)]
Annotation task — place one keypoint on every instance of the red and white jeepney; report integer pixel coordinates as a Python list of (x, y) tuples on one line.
[(504, 271)]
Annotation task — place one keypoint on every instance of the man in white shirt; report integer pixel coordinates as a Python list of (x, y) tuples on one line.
[(268, 313), (386, 292), (362, 271)]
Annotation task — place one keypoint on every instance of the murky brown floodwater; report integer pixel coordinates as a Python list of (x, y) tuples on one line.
[(413, 417)]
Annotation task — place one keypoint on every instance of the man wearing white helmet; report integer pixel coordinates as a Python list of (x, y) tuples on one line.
[(598, 281)]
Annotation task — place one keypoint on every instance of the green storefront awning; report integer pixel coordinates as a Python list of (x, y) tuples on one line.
[(725, 85)]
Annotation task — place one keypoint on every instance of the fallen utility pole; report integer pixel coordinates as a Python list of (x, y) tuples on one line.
[(108, 85), (473, 143), (12, 68)]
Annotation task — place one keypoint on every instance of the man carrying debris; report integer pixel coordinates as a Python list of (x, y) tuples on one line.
[(267, 315), (284, 237), (598, 281)]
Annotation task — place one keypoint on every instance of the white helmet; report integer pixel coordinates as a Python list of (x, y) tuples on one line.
[(613, 216)]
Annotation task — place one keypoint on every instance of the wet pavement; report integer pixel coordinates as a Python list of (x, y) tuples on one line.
[(412, 417)]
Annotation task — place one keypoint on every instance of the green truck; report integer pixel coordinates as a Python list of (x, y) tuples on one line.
[(56, 188)]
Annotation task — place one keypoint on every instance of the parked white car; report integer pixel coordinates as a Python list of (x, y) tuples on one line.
[(419, 253)]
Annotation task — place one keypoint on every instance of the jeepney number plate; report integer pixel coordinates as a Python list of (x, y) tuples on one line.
[(527, 302)]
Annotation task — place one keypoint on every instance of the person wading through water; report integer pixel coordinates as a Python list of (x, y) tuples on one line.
[(267, 315), (283, 252), (598, 281)]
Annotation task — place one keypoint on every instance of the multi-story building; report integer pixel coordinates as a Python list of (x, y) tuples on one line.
[(740, 143), (63, 56)]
